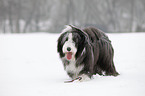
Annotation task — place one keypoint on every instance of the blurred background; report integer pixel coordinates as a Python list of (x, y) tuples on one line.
[(27, 16), (30, 64)]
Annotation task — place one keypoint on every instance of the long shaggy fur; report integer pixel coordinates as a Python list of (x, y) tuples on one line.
[(103, 52), (94, 51)]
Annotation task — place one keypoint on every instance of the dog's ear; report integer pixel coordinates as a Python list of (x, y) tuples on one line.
[(75, 29), (79, 31), (60, 44)]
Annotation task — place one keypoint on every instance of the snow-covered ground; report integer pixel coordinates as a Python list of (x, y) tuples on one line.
[(30, 66)]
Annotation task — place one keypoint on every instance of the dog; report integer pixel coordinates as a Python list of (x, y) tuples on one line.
[(85, 53)]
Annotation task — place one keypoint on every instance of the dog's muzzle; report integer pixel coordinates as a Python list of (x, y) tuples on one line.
[(69, 55), (70, 50)]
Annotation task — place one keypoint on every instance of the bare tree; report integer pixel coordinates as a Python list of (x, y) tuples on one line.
[(20, 16)]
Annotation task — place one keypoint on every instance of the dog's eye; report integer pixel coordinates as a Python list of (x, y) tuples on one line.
[(66, 39), (75, 40)]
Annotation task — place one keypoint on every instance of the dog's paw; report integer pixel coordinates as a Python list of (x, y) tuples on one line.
[(84, 77)]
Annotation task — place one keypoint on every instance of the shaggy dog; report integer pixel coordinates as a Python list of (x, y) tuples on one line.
[(85, 53)]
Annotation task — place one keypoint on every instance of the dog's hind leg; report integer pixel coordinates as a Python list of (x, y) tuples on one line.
[(111, 70)]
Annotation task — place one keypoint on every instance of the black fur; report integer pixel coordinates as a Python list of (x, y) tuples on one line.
[(98, 55)]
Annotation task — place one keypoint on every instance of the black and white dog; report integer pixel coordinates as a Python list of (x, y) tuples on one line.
[(85, 53)]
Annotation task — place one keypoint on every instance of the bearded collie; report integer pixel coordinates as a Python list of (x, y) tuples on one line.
[(85, 53)]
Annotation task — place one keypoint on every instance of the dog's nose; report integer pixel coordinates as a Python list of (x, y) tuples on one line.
[(68, 49)]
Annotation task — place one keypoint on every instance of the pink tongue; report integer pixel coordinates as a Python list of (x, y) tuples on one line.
[(69, 55)]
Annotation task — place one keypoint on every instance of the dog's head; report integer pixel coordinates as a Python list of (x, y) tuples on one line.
[(70, 42)]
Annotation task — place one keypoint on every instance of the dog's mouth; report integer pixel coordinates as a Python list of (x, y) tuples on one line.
[(69, 55)]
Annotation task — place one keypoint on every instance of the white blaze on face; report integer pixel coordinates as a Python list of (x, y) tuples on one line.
[(70, 44)]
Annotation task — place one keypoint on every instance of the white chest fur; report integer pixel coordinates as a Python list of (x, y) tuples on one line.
[(71, 68)]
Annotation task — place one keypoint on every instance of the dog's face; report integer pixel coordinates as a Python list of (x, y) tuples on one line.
[(69, 48), (70, 42)]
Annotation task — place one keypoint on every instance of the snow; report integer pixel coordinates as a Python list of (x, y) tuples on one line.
[(30, 66)]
